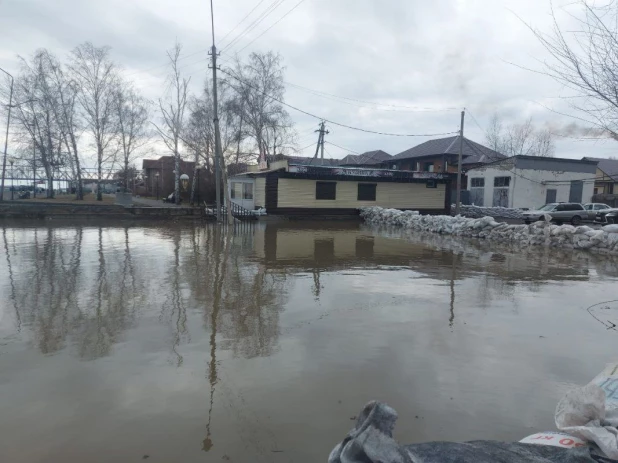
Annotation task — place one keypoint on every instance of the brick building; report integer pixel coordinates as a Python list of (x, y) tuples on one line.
[(164, 167), (441, 156)]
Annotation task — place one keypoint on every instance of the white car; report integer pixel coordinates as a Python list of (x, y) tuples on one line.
[(594, 208)]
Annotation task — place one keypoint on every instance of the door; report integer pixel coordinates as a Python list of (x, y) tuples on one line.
[(501, 197), (575, 193), (241, 193), (560, 212), (550, 196)]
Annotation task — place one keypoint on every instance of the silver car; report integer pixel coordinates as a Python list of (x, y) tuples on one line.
[(559, 212), (594, 208)]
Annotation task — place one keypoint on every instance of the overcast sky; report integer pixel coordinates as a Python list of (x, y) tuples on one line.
[(431, 57)]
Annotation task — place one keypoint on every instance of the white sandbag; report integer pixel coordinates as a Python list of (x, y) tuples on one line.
[(591, 412), (582, 229), (611, 228)]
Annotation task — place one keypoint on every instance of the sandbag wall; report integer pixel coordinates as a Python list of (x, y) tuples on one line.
[(604, 241)]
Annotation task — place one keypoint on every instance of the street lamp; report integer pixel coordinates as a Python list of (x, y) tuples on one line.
[(184, 179), (12, 161), (6, 139), (157, 177)]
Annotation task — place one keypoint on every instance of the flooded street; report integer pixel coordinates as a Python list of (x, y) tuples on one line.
[(120, 342)]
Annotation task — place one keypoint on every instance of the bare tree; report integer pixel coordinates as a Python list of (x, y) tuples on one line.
[(97, 81), (280, 136), (198, 133), (132, 115), (516, 139), (172, 107), (585, 60), (257, 82), (39, 131), (68, 120)]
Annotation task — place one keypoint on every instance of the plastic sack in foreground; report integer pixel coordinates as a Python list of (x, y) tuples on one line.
[(591, 412), (371, 441)]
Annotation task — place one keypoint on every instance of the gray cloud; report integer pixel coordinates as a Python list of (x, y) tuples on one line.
[(442, 54)]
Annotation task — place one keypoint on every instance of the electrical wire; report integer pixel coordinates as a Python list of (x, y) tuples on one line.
[(333, 122), (272, 25), (267, 12), (241, 21), (345, 149)]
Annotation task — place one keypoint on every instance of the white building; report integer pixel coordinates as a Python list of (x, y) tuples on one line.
[(531, 181)]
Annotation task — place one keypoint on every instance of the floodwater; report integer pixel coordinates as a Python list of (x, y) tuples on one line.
[(122, 342)]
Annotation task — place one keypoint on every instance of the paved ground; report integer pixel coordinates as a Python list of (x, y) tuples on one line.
[(155, 203), (88, 199)]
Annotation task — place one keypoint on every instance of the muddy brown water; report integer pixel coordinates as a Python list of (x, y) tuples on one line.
[(124, 342)]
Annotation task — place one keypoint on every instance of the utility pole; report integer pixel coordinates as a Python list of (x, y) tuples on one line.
[(219, 162), (6, 140), (459, 157), (213, 53), (320, 145)]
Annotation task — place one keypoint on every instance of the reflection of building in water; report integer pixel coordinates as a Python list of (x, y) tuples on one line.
[(331, 246)]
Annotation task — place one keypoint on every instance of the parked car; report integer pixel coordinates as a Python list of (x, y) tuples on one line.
[(612, 216), (606, 216), (593, 208), (24, 195), (559, 212)]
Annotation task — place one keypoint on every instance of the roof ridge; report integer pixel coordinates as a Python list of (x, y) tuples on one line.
[(452, 143)]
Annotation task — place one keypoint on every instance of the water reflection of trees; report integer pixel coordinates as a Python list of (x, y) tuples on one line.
[(66, 290), (246, 299)]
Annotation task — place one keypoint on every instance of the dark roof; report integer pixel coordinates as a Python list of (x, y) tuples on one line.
[(608, 166), (366, 159), (472, 153), (306, 161)]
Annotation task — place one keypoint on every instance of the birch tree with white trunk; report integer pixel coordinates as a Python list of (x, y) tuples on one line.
[(97, 79), (172, 107)]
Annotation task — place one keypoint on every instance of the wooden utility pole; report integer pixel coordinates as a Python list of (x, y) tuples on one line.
[(219, 162), (459, 158)]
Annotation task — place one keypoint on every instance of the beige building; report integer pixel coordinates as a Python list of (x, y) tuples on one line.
[(297, 190)]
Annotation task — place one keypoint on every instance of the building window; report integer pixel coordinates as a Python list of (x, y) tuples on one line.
[(502, 181), (326, 190), (366, 192), (247, 191), (235, 190), (428, 167), (477, 183), (610, 189)]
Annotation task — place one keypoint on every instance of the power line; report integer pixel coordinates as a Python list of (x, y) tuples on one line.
[(267, 12), (166, 64), (241, 21), (333, 122), (273, 25), (341, 147)]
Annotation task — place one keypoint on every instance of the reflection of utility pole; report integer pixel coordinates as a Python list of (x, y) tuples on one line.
[(452, 305), (320, 145), (11, 280)]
